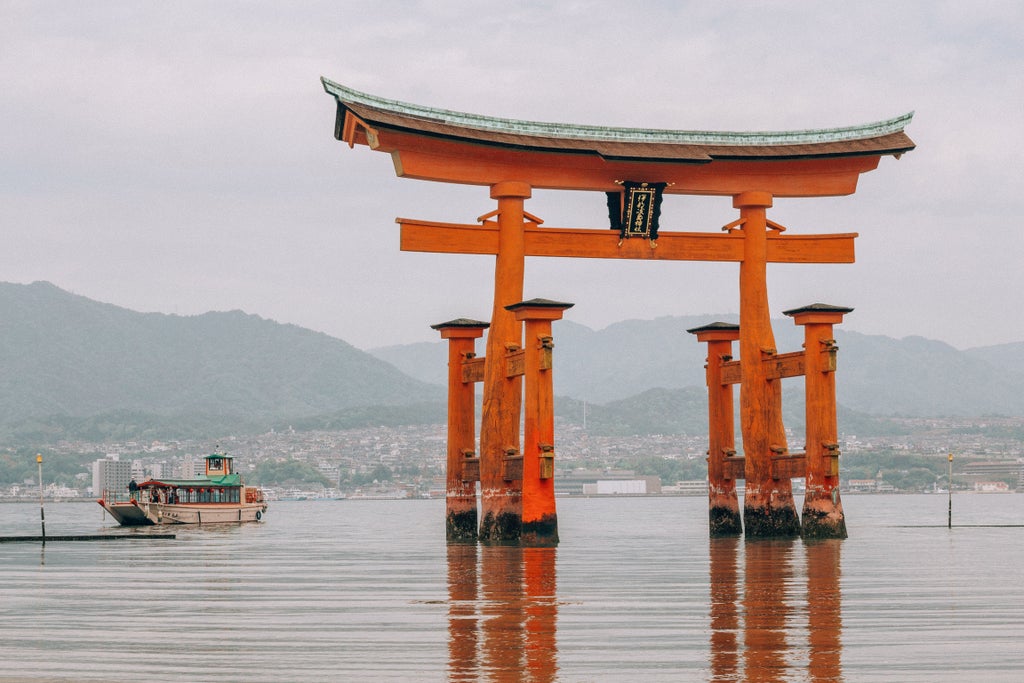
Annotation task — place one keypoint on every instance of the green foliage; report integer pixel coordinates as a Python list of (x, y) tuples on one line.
[(431, 412), (380, 473), (905, 472), (126, 425), (288, 472), (670, 470), (685, 411), (656, 411), (19, 465)]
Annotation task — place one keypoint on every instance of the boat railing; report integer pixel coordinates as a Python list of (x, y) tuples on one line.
[(119, 496)]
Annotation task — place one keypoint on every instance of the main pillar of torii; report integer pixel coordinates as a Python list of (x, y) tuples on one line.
[(513, 158)]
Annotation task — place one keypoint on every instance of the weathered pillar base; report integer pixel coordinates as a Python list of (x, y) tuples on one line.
[(501, 528), (724, 521), (772, 516), (824, 518), (542, 533), (461, 525), (724, 513)]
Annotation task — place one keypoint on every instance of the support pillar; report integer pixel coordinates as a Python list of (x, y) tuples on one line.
[(723, 504), (539, 517), (463, 466), (768, 507), (823, 510), (500, 487)]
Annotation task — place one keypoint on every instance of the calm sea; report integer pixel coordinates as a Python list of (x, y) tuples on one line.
[(369, 591)]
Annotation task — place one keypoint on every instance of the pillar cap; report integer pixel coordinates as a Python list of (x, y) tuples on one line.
[(539, 303), (818, 313), (510, 188), (461, 322), (819, 308), (539, 309), (710, 327), (717, 331), (752, 198)]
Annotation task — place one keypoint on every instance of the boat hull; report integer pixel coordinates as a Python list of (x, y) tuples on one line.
[(147, 514)]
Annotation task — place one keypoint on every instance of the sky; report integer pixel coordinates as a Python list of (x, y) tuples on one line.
[(179, 157)]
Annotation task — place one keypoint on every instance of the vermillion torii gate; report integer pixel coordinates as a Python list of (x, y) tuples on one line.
[(514, 157)]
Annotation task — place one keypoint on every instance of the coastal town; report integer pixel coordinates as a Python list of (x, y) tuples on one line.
[(409, 462)]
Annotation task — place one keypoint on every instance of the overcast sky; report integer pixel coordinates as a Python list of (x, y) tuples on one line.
[(179, 157)]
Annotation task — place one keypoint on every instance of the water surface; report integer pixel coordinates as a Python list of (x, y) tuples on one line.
[(369, 591)]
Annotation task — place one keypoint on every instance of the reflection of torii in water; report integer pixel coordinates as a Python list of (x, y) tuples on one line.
[(514, 157)]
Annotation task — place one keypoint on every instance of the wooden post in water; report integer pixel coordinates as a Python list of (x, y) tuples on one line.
[(42, 515), (463, 468), (500, 483), (823, 510), (723, 505), (949, 495), (539, 517), (768, 507)]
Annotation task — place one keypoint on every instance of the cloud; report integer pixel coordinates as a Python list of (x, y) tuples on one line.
[(180, 157)]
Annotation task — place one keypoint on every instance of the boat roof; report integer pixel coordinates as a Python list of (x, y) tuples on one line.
[(226, 480)]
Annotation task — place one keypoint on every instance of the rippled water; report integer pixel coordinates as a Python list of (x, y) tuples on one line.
[(369, 591)]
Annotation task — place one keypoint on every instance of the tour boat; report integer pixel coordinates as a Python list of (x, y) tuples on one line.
[(218, 497)]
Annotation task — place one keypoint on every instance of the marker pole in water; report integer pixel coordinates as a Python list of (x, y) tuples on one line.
[(949, 486), (42, 515)]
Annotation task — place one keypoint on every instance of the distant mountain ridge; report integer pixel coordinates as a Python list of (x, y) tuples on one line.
[(63, 354), (878, 375), (71, 367)]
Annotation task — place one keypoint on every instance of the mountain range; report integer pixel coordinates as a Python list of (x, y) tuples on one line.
[(877, 375), (66, 355), (71, 365)]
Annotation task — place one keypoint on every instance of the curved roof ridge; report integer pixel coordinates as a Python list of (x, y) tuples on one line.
[(614, 134)]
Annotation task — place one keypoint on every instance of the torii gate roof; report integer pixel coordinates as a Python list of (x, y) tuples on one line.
[(447, 146)]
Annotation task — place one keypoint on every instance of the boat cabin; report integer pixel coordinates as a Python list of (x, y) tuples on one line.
[(220, 485), (218, 465)]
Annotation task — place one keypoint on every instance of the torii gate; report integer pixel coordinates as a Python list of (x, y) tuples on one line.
[(514, 157)]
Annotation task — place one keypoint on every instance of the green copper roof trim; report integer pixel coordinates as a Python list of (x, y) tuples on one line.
[(582, 132), (220, 480)]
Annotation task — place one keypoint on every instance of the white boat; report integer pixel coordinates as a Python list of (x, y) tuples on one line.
[(219, 497)]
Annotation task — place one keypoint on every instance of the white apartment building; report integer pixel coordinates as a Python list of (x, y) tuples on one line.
[(111, 474)]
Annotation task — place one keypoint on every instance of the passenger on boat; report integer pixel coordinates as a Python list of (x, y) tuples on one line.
[(133, 489)]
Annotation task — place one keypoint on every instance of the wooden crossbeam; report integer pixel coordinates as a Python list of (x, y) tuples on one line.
[(456, 238), (778, 366), (784, 466), (473, 368), (734, 467), (789, 465), (515, 363)]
